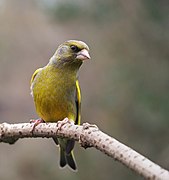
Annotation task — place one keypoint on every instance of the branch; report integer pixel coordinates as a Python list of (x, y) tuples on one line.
[(88, 136)]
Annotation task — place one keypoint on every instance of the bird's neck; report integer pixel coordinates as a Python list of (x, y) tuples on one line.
[(64, 65)]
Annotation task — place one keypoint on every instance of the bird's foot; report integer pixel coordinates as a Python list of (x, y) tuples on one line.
[(60, 124), (36, 122)]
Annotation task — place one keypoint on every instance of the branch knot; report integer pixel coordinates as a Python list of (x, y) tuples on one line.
[(87, 129)]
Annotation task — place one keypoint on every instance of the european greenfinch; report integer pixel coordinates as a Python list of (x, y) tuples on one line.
[(56, 92)]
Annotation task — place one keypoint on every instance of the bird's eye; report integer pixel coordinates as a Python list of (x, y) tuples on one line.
[(74, 48)]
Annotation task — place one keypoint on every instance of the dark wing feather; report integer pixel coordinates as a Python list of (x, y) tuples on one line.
[(78, 103)]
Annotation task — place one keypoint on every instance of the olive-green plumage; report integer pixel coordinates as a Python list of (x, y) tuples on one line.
[(56, 92)]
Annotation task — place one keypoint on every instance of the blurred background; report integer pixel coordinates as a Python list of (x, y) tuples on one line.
[(125, 87)]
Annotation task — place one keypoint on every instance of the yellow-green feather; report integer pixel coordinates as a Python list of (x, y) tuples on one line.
[(54, 94), (57, 95)]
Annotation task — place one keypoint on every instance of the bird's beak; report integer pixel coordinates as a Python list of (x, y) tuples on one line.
[(83, 55)]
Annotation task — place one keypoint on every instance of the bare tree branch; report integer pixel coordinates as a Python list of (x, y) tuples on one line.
[(88, 136)]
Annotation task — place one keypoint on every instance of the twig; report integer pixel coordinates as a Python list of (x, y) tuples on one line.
[(88, 136)]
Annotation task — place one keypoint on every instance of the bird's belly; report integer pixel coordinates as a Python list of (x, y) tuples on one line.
[(55, 106)]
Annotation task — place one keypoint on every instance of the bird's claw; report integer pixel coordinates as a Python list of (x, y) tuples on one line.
[(36, 122), (87, 126), (60, 124)]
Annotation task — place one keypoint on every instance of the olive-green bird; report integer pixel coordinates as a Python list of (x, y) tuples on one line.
[(56, 91)]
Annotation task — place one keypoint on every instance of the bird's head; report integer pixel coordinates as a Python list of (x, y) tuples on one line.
[(71, 53)]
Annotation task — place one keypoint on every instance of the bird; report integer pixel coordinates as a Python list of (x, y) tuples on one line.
[(56, 92)]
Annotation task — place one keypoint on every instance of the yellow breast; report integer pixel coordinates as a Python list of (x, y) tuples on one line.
[(54, 94)]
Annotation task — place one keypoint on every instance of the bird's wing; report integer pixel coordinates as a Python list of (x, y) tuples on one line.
[(78, 102), (34, 75), (32, 79)]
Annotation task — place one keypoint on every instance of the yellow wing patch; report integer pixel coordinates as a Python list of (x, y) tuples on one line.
[(78, 102)]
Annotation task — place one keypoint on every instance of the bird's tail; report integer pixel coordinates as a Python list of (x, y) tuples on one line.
[(67, 159)]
